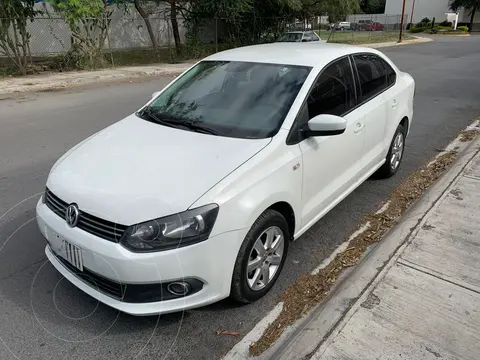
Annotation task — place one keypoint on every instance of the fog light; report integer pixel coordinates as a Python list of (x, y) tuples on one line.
[(179, 288)]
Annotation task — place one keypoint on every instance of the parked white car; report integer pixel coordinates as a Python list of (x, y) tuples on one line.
[(342, 25), (299, 36), (198, 195)]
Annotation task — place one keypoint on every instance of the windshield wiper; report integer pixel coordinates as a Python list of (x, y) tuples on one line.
[(192, 125), (171, 121), (150, 116)]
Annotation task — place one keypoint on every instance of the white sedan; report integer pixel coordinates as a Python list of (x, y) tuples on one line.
[(199, 194)]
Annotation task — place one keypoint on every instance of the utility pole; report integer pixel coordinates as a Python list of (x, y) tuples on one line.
[(411, 15), (402, 22)]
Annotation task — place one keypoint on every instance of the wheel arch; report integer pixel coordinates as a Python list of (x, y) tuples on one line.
[(287, 212), (405, 122)]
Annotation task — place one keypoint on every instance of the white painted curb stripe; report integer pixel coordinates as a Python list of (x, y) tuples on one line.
[(242, 349)]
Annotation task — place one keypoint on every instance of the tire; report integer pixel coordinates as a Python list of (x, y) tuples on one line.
[(244, 288), (392, 164)]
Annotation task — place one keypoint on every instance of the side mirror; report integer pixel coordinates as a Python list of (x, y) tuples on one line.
[(155, 94), (324, 125)]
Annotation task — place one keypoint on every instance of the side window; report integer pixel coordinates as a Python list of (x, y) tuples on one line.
[(371, 73), (313, 36), (391, 74), (306, 37), (334, 91)]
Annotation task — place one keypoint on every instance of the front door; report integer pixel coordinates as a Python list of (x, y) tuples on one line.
[(331, 164)]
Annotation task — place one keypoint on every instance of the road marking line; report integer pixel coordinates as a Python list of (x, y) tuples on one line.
[(242, 349)]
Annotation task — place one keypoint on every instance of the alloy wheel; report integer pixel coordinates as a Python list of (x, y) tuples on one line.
[(265, 258), (397, 151)]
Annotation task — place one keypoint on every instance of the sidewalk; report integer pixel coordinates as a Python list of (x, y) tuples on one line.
[(427, 305), (71, 78), (414, 296)]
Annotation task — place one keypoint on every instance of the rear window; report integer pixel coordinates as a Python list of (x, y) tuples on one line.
[(291, 37), (371, 74)]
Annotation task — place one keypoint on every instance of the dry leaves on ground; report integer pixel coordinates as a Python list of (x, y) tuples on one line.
[(227, 332), (469, 135)]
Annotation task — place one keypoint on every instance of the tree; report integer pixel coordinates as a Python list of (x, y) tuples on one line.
[(145, 16), (14, 37), (471, 6), (89, 21), (373, 6), (334, 8), (171, 10), (253, 21)]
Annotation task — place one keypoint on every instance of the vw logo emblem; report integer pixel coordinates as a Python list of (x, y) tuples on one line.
[(72, 215)]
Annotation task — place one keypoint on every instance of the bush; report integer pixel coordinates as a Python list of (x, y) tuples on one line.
[(426, 22), (445, 23), (463, 28), (417, 29), (443, 27)]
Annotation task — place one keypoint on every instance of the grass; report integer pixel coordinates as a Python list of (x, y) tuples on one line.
[(361, 37)]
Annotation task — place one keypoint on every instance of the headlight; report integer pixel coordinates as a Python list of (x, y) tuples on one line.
[(172, 231)]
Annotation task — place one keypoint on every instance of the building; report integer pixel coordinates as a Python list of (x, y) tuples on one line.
[(430, 9)]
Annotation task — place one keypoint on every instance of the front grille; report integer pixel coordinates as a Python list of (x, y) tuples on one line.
[(97, 282), (102, 228)]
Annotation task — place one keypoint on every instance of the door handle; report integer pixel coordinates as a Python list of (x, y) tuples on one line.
[(359, 127), (394, 104)]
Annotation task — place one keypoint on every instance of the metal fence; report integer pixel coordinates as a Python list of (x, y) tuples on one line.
[(126, 40), (367, 28)]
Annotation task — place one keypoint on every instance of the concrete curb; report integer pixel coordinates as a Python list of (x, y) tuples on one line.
[(451, 35), (418, 40), (315, 329), (76, 78)]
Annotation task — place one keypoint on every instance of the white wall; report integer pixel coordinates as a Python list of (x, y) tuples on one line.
[(423, 8), (51, 35)]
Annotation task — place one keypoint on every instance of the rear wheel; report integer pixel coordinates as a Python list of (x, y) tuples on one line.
[(395, 154), (261, 257)]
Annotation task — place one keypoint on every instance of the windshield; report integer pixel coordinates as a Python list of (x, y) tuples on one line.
[(235, 99), (290, 37)]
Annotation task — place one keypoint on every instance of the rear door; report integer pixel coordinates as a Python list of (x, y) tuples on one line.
[(395, 96), (373, 107)]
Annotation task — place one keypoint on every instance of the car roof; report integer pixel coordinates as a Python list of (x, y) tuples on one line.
[(304, 54)]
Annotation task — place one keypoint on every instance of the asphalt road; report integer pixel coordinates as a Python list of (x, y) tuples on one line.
[(44, 317)]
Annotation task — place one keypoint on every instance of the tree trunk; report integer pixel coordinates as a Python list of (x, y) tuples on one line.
[(173, 19), (472, 18), (145, 18)]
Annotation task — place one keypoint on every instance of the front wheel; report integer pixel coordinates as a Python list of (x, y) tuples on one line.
[(395, 154), (261, 257)]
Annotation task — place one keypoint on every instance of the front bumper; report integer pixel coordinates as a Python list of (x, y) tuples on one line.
[(211, 262)]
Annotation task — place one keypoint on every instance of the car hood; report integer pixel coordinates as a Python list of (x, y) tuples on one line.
[(135, 170)]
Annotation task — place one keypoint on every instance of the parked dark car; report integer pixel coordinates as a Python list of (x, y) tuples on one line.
[(374, 27), (364, 23)]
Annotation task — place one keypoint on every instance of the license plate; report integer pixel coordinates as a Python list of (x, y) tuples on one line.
[(73, 254)]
